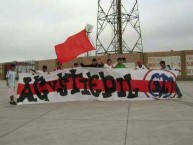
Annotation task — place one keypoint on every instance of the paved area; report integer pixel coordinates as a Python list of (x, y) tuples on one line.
[(166, 122)]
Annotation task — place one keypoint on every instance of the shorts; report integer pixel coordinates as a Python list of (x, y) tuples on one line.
[(11, 91)]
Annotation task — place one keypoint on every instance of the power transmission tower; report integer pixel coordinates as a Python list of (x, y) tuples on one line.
[(115, 20)]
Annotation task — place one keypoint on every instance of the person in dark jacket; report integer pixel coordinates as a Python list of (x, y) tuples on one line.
[(167, 67), (95, 63)]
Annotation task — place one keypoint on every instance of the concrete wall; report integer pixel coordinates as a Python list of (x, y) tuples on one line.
[(188, 64), (50, 63), (182, 60), (1, 71)]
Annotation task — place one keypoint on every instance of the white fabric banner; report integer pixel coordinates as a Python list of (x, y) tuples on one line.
[(96, 84)]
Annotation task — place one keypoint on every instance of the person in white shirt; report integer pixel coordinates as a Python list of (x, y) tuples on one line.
[(109, 64), (140, 66), (43, 71), (167, 67), (11, 77)]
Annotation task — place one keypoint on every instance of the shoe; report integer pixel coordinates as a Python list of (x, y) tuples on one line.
[(179, 96), (13, 103)]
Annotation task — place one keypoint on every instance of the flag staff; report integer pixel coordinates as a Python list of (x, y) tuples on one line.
[(89, 29)]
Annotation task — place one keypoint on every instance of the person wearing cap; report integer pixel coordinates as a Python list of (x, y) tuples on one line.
[(140, 66), (95, 63), (11, 77)]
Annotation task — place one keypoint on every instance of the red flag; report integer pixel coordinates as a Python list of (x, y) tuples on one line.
[(73, 46)]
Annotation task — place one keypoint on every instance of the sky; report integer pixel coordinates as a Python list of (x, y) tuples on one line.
[(29, 29)]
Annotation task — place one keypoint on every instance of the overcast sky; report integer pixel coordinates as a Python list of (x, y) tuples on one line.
[(29, 29)]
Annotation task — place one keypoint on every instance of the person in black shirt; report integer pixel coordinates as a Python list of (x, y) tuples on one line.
[(167, 67), (95, 63), (76, 64)]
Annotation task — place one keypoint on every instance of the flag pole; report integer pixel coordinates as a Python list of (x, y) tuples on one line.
[(87, 34), (88, 31)]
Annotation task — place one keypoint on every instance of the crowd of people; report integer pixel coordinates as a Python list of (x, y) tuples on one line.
[(119, 64), (96, 63)]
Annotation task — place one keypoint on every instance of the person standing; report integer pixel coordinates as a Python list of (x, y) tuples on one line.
[(109, 64), (11, 77), (43, 71), (119, 63), (140, 66), (75, 65), (167, 67), (59, 66), (95, 63)]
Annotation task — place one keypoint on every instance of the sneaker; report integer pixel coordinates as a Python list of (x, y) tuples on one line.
[(13, 103), (179, 96)]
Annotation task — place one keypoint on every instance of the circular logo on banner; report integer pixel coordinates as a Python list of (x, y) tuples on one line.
[(161, 84)]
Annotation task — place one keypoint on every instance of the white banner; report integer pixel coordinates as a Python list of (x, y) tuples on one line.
[(96, 84)]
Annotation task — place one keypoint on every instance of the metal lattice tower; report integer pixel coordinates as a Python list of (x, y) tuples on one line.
[(116, 19)]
